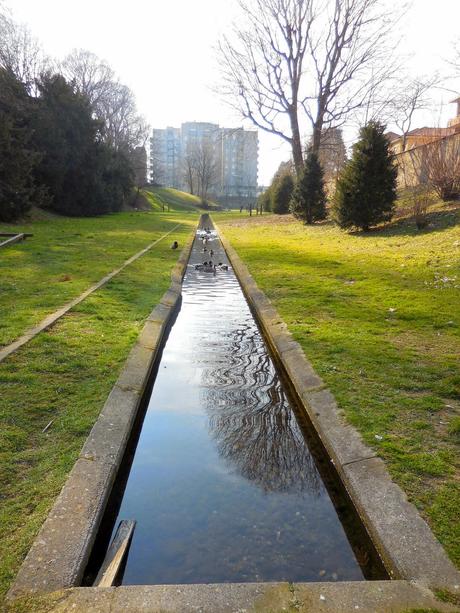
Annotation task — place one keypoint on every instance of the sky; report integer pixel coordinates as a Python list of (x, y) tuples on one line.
[(164, 50)]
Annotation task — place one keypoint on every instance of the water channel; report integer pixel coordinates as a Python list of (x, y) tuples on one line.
[(223, 485)]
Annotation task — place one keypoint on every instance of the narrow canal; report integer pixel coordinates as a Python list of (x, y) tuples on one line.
[(223, 485)]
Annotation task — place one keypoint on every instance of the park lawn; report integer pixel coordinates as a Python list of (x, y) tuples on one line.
[(378, 315), (67, 255), (66, 374), (172, 197)]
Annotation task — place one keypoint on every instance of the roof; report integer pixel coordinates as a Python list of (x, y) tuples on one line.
[(429, 131), (392, 135)]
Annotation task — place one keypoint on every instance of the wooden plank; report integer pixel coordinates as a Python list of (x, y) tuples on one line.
[(115, 554), (48, 425), (14, 239), (25, 234)]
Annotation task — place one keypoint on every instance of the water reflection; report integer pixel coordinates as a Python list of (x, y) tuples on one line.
[(251, 421)]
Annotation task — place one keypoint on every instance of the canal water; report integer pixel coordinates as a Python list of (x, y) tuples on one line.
[(223, 486)]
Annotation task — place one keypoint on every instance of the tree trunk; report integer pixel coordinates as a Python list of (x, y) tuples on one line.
[(296, 142)]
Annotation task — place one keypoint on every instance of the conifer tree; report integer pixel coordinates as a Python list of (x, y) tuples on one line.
[(308, 201), (281, 192), (366, 189), (17, 156)]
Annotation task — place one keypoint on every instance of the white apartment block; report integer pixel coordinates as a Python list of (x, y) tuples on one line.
[(235, 150)]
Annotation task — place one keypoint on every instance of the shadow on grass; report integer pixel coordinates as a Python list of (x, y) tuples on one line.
[(438, 221)]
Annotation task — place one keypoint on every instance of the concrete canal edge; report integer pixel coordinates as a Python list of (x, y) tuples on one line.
[(59, 554), (403, 539), (52, 571), (343, 597)]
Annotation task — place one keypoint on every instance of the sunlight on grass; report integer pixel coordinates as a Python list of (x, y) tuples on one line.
[(66, 373), (378, 316)]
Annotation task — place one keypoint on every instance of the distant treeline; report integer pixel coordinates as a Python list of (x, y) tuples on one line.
[(69, 131)]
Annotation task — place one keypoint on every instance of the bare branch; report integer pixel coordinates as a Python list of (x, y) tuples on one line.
[(316, 61)]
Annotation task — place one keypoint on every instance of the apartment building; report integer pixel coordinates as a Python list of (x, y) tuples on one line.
[(235, 152), (165, 160)]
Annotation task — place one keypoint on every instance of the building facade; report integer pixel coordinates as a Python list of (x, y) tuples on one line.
[(234, 152), (166, 157), (424, 136)]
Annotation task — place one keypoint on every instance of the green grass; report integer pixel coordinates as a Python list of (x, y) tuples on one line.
[(66, 373), (172, 197), (447, 596), (66, 256), (378, 315), (161, 197)]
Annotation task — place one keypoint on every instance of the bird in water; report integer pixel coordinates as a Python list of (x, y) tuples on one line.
[(175, 245)]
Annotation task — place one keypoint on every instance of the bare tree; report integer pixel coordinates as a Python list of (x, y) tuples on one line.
[(190, 171), (411, 96), (124, 127), (20, 52), (352, 58), (332, 155), (439, 164), (455, 60), (92, 76), (206, 167), (113, 103), (313, 59), (264, 66)]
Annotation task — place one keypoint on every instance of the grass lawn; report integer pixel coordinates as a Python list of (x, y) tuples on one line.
[(66, 373), (173, 197), (378, 315), (66, 256)]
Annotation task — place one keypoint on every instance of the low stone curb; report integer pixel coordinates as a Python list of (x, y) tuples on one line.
[(342, 597), (60, 553), (52, 318), (403, 539)]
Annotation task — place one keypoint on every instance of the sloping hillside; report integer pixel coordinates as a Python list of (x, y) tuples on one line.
[(174, 198)]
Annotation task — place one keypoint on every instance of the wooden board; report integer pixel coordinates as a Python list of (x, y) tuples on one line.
[(14, 239), (115, 554), (25, 234)]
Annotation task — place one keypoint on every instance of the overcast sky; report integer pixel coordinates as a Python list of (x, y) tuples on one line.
[(164, 51)]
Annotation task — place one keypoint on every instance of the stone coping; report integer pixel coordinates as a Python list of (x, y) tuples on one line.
[(342, 597), (60, 553), (403, 539)]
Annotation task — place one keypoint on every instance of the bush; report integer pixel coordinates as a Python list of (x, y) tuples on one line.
[(366, 189)]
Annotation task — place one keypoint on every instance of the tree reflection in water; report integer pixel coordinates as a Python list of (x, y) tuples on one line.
[(251, 420)]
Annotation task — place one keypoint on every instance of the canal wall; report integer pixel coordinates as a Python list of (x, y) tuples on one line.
[(60, 553), (403, 539)]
